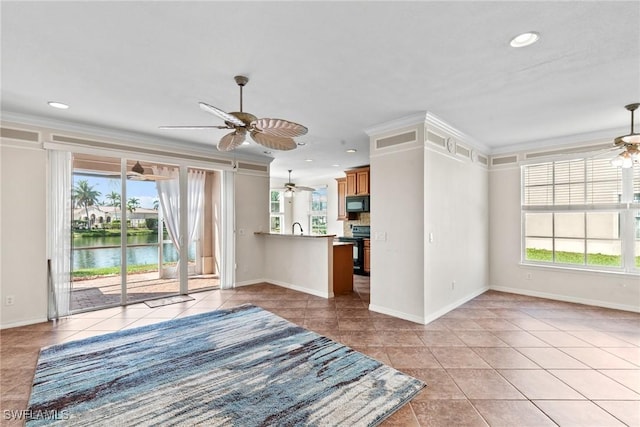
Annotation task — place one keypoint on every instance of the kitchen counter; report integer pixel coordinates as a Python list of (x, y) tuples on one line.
[(312, 236), (314, 264)]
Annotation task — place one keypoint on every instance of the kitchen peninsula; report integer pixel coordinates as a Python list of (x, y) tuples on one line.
[(313, 264)]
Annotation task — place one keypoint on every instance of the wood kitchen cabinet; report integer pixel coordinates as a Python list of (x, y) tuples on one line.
[(367, 256), (342, 202), (357, 181)]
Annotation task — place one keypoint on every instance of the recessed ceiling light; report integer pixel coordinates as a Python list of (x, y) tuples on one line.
[(246, 143), (351, 150), (302, 143), (308, 160), (267, 152), (335, 166), (525, 39), (59, 105)]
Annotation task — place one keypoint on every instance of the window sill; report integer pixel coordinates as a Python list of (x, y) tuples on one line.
[(570, 269)]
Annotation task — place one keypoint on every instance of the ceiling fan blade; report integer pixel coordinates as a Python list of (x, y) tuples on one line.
[(232, 140), (302, 188), (194, 127), (223, 115), (280, 128), (274, 142)]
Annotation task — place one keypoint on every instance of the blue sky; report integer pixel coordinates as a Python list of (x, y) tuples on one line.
[(145, 191)]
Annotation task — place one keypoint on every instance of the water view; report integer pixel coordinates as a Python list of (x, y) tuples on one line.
[(104, 251)]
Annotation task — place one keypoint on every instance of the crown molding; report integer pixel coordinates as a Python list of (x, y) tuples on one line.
[(396, 124), (158, 143)]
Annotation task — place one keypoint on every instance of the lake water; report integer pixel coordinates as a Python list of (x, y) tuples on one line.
[(110, 256)]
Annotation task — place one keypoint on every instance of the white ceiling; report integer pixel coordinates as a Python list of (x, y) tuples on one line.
[(336, 67)]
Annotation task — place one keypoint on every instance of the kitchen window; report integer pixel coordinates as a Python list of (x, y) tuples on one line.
[(581, 213), (318, 211), (276, 211)]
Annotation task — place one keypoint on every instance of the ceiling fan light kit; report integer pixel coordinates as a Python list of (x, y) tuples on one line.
[(630, 143), (276, 134)]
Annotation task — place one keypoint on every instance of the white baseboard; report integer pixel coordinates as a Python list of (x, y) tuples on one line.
[(431, 317), (396, 313), (444, 310), (23, 323), (286, 285), (565, 298)]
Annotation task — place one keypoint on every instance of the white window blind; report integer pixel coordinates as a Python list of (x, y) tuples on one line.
[(572, 184), (581, 213)]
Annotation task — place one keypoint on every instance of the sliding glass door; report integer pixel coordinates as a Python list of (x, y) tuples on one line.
[(128, 227)]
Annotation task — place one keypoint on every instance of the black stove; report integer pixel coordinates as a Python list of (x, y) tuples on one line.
[(359, 232)]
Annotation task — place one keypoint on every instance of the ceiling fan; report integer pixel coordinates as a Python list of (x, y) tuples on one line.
[(290, 187), (137, 173), (630, 143), (276, 134)]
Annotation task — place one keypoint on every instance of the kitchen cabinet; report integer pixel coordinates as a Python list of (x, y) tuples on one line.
[(342, 268), (367, 255), (357, 181), (342, 202)]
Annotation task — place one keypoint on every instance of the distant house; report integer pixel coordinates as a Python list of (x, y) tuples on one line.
[(101, 215)]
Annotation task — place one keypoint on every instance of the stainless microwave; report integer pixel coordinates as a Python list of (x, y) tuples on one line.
[(357, 203)]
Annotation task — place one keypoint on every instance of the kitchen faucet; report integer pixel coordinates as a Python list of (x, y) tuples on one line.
[(293, 228)]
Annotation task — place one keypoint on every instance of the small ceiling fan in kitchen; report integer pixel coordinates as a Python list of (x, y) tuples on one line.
[(276, 134), (290, 187), (137, 173)]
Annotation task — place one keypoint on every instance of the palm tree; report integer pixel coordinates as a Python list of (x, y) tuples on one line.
[(156, 204), (133, 204), (114, 200), (84, 196)]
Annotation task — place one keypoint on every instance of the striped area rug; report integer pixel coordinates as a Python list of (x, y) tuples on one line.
[(236, 367)]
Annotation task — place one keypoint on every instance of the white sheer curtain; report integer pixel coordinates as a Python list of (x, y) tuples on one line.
[(59, 244), (169, 195)]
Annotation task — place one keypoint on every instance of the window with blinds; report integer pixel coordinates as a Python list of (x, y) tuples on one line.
[(581, 213)]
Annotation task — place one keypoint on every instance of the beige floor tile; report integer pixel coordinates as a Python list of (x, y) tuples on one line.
[(411, 357), (480, 339), (401, 338), (520, 339), (552, 358), (560, 339), (533, 325), (627, 411), (484, 384), (626, 377), (594, 385), (440, 339), (540, 384), (600, 339), (447, 413), (505, 358), (577, 413), (458, 357), (403, 417), (630, 354), (440, 385), (509, 413), (598, 359)]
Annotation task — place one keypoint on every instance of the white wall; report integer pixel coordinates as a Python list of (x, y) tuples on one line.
[(397, 210), (457, 213), (419, 189), (507, 274), (252, 214), (23, 213)]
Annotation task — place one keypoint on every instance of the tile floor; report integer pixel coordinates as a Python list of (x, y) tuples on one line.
[(499, 360)]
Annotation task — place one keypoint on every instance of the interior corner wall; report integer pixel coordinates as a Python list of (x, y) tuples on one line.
[(397, 259), (456, 199), (23, 243), (252, 214), (506, 273)]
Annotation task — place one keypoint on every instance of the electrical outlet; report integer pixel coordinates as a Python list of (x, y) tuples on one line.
[(10, 300)]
